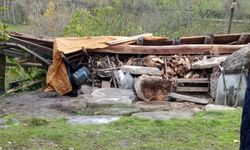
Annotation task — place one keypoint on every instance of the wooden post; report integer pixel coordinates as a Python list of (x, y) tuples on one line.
[(2, 73), (232, 9)]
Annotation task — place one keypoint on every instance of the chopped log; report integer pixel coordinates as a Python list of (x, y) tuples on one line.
[(192, 49), (185, 98), (238, 59), (149, 62), (196, 75), (178, 66), (130, 61), (209, 63), (2, 73), (189, 75), (129, 39), (139, 70), (152, 88)]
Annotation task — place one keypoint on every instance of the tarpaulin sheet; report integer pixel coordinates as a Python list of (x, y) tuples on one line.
[(57, 78)]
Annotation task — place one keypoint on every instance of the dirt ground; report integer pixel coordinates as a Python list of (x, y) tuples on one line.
[(52, 106)]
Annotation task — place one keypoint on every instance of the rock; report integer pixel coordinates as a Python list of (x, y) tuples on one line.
[(139, 70), (212, 107), (2, 121), (112, 92), (3, 127), (48, 95), (85, 89), (196, 110), (1, 112), (108, 97), (81, 120), (164, 115), (164, 106), (109, 102), (70, 106), (154, 106), (117, 111)]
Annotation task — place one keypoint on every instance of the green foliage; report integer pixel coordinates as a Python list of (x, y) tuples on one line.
[(206, 130), (100, 21), (3, 35), (173, 18), (17, 73)]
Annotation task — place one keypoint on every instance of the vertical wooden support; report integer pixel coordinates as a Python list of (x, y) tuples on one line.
[(2, 73), (232, 10)]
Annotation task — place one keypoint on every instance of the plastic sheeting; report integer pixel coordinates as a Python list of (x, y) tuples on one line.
[(57, 77)]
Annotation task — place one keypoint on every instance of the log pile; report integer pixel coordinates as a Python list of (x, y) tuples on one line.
[(197, 74), (178, 67)]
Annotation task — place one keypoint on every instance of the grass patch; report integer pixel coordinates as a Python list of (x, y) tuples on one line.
[(207, 130), (36, 122)]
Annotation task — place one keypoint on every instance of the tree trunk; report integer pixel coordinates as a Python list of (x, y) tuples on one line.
[(152, 88), (13, 12)]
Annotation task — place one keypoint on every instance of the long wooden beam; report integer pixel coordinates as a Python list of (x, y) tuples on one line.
[(40, 58), (41, 50), (192, 49), (48, 42)]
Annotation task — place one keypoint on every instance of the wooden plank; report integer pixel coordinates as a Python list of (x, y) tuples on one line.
[(40, 58), (2, 73), (199, 80), (12, 53), (209, 63), (192, 89), (218, 39), (192, 49), (39, 49), (128, 39), (185, 98), (48, 42)]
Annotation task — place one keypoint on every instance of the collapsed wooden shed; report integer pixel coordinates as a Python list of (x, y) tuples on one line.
[(103, 56)]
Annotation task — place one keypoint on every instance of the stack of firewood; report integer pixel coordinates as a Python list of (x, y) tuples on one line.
[(197, 74), (175, 67), (178, 66)]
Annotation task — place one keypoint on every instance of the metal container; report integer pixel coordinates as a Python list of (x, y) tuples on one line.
[(81, 75)]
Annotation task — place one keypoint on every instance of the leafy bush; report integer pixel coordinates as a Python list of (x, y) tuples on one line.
[(3, 29), (100, 21)]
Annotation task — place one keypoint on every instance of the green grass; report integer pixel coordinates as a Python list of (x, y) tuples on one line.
[(207, 130)]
